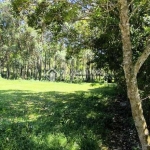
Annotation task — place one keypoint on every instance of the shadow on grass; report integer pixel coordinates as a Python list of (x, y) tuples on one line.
[(65, 121)]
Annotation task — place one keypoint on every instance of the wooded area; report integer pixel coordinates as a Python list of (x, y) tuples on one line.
[(81, 41), (28, 53)]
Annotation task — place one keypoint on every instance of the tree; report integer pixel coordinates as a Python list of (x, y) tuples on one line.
[(8, 27), (131, 70)]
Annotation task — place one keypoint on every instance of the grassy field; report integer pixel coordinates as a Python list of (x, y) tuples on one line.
[(38, 115)]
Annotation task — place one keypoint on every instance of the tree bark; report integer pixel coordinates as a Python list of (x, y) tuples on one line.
[(142, 58), (130, 71)]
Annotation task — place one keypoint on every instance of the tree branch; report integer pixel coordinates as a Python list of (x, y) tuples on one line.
[(142, 58), (131, 3), (134, 11), (137, 8)]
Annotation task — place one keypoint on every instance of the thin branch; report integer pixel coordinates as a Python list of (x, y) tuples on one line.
[(148, 97), (142, 58), (130, 3), (134, 11)]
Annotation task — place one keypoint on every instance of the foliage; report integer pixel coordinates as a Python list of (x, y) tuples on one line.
[(43, 12), (102, 27), (30, 53), (107, 43)]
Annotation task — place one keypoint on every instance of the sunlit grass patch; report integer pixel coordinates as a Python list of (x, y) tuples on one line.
[(39, 86)]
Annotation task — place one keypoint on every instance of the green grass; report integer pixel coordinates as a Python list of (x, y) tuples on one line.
[(54, 116), (38, 86)]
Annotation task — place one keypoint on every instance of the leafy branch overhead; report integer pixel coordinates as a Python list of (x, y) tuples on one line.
[(43, 13)]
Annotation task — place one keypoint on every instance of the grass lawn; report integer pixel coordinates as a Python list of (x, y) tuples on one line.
[(38, 86), (38, 115)]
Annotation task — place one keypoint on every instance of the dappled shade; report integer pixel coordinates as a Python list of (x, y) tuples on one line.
[(56, 120)]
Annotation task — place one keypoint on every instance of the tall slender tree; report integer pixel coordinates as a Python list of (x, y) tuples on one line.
[(131, 70)]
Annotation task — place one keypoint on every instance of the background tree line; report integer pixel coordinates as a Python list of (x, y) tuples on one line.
[(30, 53)]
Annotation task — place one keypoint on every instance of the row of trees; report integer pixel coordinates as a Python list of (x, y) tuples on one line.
[(29, 53)]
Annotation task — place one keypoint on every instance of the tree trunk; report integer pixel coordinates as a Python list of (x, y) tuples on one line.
[(8, 71), (45, 66), (137, 112), (39, 66), (130, 71)]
